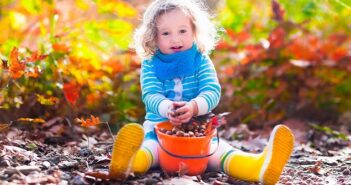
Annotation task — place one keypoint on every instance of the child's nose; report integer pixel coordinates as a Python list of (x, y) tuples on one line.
[(175, 39)]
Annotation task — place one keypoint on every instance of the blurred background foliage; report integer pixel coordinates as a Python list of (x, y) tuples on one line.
[(276, 59)]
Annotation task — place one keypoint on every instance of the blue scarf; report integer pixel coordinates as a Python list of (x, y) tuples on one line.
[(176, 65)]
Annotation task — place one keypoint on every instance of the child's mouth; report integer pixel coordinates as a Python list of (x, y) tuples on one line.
[(176, 48)]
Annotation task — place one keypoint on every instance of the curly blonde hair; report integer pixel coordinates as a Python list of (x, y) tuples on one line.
[(206, 34)]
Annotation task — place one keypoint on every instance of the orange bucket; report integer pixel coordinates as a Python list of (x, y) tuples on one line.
[(189, 153)]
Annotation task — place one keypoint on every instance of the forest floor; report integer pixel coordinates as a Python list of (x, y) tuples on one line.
[(54, 153)]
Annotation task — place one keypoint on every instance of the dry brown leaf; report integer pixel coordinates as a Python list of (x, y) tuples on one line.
[(4, 127), (316, 169), (99, 174)]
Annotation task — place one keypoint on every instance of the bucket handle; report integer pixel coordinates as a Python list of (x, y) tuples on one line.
[(191, 156)]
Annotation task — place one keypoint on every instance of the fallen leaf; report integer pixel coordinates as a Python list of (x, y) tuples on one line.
[(101, 159), (29, 155), (93, 121), (68, 164), (99, 174), (316, 169), (23, 169), (31, 120), (4, 127), (181, 180)]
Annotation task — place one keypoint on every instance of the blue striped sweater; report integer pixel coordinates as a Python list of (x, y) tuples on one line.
[(157, 95)]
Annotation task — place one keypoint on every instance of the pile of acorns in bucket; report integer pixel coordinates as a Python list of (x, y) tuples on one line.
[(198, 126)]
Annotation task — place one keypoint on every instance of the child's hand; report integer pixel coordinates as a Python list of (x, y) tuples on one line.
[(172, 115), (186, 110)]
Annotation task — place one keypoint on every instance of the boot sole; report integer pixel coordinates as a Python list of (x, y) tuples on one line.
[(128, 141), (280, 147)]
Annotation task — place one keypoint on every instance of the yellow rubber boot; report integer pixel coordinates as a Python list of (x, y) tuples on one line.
[(244, 166), (142, 161), (127, 143), (267, 166)]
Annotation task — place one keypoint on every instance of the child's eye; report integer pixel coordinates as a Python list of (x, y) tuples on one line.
[(165, 33), (182, 31)]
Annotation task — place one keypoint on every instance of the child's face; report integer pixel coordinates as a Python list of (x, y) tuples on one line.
[(174, 32)]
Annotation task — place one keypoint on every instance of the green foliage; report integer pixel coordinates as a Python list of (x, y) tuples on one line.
[(85, 46), (329, 131), (290, 62)]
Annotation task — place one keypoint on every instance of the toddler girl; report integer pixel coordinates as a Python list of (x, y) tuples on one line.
[(179, 81)]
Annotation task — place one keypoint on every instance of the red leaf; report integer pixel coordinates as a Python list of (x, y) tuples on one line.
[(316, 169), (71, 91), (35, 57), (89, 122), (61, 47), (255, 52), (92, 98), (276, 38), (339, 53), (229, 71), (135, 64), (17, 68), (301, 50), (238, 37), (115, 64), (223, 45), (34, 72)]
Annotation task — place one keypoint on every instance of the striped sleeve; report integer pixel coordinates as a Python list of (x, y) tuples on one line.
[(209, 87), (152, 92)]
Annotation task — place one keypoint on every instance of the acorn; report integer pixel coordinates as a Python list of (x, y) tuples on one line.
[(190, 127), (180, 133), (175, 129)]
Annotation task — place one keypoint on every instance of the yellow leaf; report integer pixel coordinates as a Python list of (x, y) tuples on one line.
[(47, 100), (4, 127), (125, 10), (18, 21), (82, 4), (1, 99), (31, 120)]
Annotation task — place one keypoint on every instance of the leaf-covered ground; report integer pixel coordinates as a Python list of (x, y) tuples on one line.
[(55, 153)]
